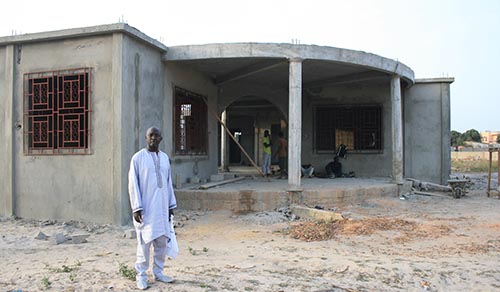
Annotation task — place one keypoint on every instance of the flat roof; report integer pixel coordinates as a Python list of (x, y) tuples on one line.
[(82, 32)]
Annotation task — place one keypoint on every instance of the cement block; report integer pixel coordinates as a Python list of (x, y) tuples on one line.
[(130, 234), (58, 238), (41, 236), (194, 180), (315, 214), (216, 177), (229, 176), (79, 238)]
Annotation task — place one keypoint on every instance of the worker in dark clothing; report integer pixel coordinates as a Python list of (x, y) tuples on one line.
[(334, 168)]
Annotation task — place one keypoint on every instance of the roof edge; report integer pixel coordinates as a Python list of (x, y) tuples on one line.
[(435, 80), (289, 51), (82, 32)]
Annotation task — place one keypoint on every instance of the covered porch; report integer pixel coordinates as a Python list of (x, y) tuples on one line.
[(320, 97)]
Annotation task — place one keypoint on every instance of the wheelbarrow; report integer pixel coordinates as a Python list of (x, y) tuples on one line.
[(458, 187)]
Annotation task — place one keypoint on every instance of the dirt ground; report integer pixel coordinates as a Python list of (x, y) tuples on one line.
[(387, 244)]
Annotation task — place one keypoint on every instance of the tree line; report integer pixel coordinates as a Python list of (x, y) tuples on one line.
[(459, 139)]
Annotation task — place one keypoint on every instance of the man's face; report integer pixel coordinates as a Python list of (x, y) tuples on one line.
[(153, 139)]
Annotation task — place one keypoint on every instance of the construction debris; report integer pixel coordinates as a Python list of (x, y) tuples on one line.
[(79, 238), (315, 214), (58, 238), (457, 188), (428, 186), (41, 236)]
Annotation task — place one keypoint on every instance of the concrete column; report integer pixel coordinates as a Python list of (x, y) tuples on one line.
[(295, 123), (224, 149), (397, 130), (445, 133), (121, 206), (7, 89)]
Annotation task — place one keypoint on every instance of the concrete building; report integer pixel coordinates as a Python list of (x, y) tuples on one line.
[(75, 105), (490, 137)]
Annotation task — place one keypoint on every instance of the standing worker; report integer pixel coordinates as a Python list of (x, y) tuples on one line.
[(266, 159), (152, 200), (282, 153)]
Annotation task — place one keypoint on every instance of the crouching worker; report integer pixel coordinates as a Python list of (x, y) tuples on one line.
[(152, 201), (307, 170), (334, 168)]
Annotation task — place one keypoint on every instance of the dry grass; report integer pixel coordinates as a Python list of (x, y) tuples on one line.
[(472, 165), (404, 230)]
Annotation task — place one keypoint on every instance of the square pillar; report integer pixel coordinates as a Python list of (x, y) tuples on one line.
[(397, 130), (224, 145), (295, 123)]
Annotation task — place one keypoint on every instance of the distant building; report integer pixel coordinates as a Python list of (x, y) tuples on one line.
[(490, 137)]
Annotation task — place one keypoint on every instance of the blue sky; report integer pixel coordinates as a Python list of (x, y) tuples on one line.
[(445, 38)]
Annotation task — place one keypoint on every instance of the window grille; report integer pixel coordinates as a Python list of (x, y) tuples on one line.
[(357, 127), (190, 123), (57, 112)]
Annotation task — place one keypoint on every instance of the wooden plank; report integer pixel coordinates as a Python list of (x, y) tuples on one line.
[(430, 194), (219, 183), (489, 172)]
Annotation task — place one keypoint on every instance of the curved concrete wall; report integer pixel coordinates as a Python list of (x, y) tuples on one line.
[(267, 50), (372, 163)]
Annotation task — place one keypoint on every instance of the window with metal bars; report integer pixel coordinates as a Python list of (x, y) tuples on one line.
[(190, 123), (357, 127), (57, 112)]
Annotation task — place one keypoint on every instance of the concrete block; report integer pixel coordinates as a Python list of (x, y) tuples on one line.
[(315, 214), (194, 180), (178, 182), (41, 236), (79, 238), (58, 238), (229, 176), (130, 234), (216, 177)]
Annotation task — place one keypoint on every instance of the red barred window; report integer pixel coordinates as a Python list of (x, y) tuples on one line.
[(357, 127), (190, 123), (57, 112)]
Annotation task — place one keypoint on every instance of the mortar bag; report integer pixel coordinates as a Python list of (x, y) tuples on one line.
[(172, 247)]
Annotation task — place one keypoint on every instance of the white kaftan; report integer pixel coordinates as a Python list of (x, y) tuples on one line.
[(150, 190)]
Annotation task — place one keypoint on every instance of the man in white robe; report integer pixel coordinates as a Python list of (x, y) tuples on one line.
[(152, 199)]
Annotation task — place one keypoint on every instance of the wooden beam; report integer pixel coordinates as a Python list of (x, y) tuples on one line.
[(219, 183)]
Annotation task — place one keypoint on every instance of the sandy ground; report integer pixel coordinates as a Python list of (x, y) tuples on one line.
[(387, 244)]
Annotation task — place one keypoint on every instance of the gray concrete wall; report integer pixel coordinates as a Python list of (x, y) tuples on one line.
[(366, 163), (142, 106), (426, 107), (186, 166), (7, 69), (67, 186)]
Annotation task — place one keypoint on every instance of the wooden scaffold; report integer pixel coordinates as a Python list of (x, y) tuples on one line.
[(491, 149)]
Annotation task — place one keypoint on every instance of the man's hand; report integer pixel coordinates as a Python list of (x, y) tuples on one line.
[(170, 214), (138, 216)]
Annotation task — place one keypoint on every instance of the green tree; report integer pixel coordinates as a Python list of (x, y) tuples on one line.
[(498, 139), (472, 135), (455, 137)]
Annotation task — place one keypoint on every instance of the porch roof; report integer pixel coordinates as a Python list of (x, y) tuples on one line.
[(267, 64)]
